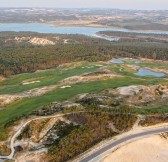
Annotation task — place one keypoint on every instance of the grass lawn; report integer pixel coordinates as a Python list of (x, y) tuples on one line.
[(160, 109)]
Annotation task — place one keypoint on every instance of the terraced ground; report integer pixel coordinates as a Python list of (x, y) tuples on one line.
[(53, 77)]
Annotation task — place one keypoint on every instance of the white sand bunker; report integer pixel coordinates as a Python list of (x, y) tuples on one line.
[(87, 67), (150, 149), (32, 82), (63, 87)]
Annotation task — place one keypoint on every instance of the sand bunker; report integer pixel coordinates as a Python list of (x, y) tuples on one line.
[(26, 83), (63, 87)]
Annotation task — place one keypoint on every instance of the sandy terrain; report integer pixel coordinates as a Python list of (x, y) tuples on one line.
[(130, 90), (41, 41), (157, 70), (21, 39), (2, 79), (150, 149), (133, 68), (82, 79), (87, 23), (32, 156), (141, 94), (7, 99)]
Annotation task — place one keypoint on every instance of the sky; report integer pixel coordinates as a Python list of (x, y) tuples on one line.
[(122, 4)]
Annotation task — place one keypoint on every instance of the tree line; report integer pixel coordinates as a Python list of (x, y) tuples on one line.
[(26, 58)]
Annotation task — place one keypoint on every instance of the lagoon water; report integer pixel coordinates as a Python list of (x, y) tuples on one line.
[(47, 28), (146, 72)]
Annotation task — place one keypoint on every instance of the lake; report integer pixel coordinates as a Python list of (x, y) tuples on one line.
[(48, 28), (146, 72)]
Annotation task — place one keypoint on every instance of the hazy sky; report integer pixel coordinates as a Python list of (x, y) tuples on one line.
[(123, 4)]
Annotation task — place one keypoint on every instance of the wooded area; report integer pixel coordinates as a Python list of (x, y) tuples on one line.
[(21, 58)]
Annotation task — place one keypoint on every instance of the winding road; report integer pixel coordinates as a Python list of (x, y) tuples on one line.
[(97, 155), (10, 157)]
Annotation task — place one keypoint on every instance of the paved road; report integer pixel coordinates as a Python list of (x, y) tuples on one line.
[(96, 155)]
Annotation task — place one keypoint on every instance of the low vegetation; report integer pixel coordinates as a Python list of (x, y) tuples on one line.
[(153, 120)]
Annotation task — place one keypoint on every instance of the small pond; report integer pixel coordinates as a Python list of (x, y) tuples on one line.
[(123, 60), (117, 61), (146, 72)]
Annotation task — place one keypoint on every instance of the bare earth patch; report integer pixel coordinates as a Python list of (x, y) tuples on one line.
[(41, 41), (157, 70), (35, 156), (150, 149), (142, 94), (82, 79), (8, 99), (2, 79)]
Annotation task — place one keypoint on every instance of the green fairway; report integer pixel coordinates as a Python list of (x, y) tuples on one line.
[(27, 105), (46, 77)]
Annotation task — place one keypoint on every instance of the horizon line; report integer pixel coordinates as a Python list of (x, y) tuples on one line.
[(100, 8)]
